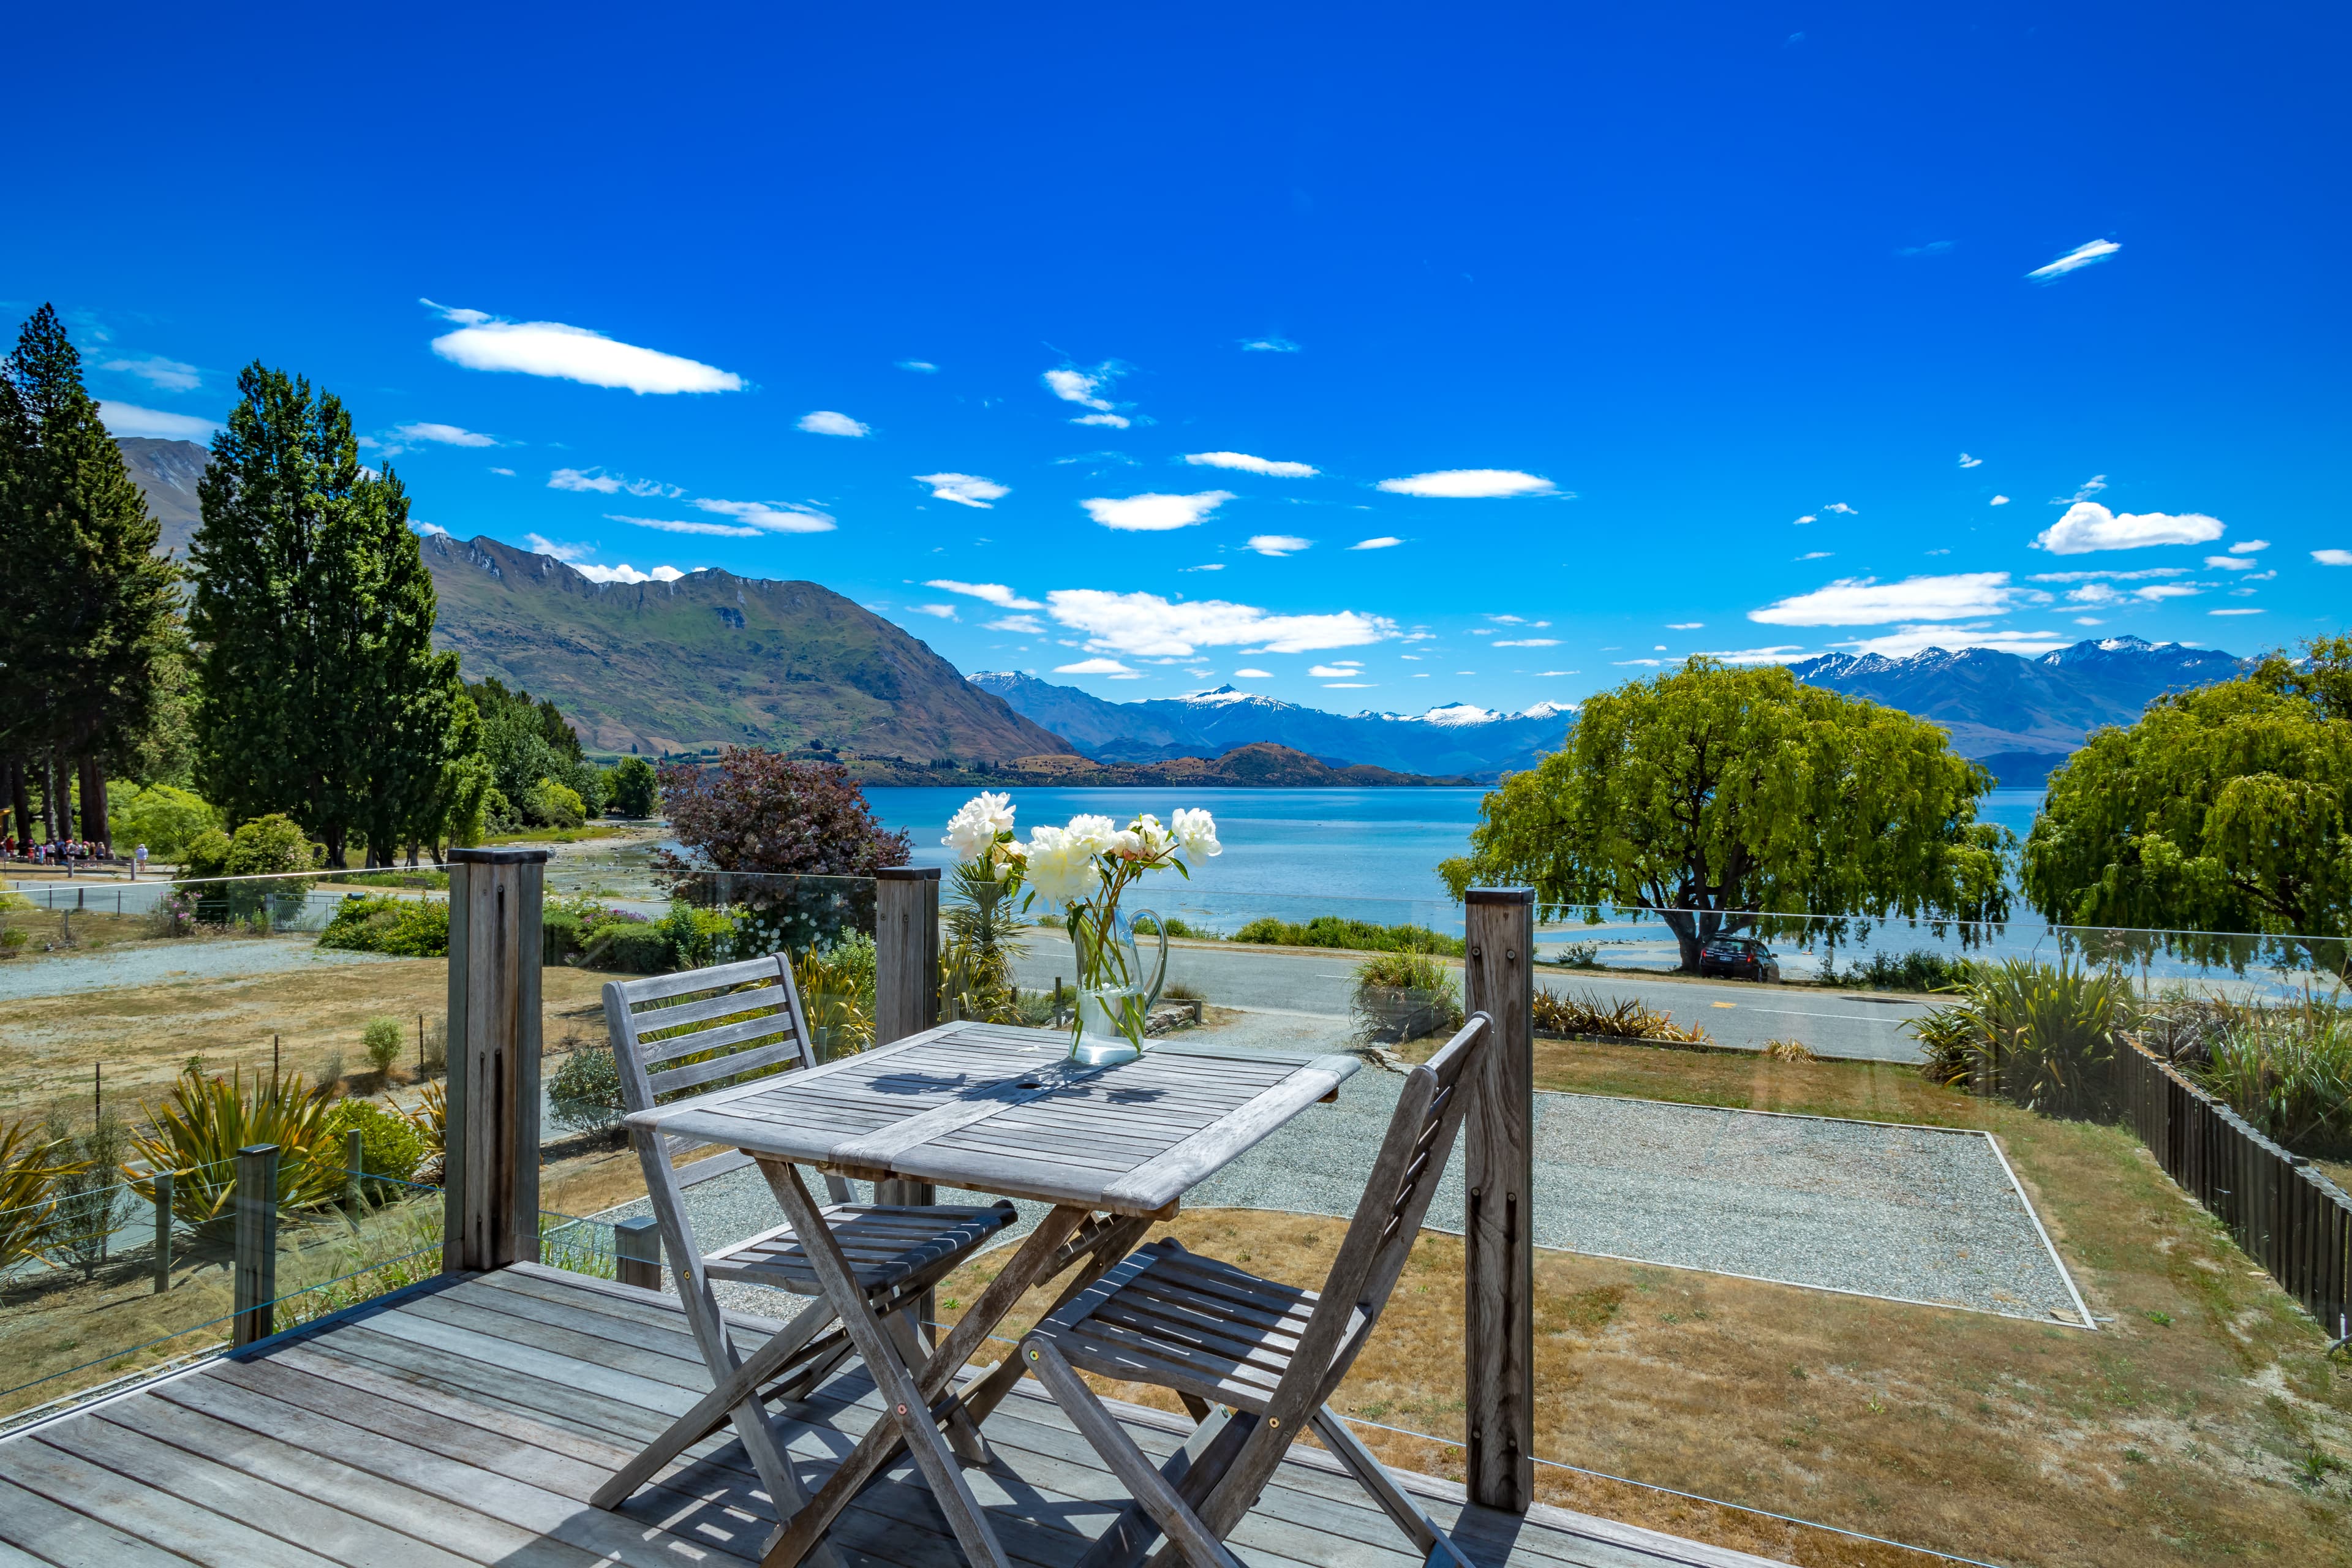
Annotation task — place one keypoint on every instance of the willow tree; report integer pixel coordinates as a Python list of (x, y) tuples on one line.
[(1716, 799), (2226, 809)]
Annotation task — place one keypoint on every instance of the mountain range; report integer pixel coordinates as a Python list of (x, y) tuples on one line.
[(712, 657)]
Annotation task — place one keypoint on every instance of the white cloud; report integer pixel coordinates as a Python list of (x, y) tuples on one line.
[(1210, 566), (2094, 593), (825, 422), (674, 525), (1470, 484), (441, 435), (2235, 612), (1968, 462), (968, 489), (1253, 675), (1249, 465), (1866, 602), (919, 366), (169, 374), (2333, 557), (2144, 573), (1270, 344), (418, 525), (2088, 526), (1817, 555), (1152, 512), (2091, 487), (1527, 642), (1779, 654), (771, 517), (1998, 501), (1336, 671), (605, 484), (2089, 621), (1905, 641), (625, 573), (1028, 625), (2082, 255), (1151, 626), (507, 472), (1801, 523), (1843, 509), (1085, 388), (1278, 544), (2230, 563), (944, 612), (128, 419), (1349, 685), (568, 554), (1686, 625), (1383, 542), (1116, 421), (2248, 546), (997, 593), (572, 354), (1109, 666)]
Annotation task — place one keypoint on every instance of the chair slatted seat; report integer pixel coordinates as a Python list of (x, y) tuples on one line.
[(1255, 1360), (689, 1034)]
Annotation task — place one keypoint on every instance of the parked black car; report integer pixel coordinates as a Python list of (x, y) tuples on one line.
[(1740, 957)]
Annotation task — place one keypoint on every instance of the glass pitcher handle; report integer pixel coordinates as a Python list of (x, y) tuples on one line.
[(1159, 972)]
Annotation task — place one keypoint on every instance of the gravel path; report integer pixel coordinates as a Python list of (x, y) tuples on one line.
[(1906, 1213), (164, 961)]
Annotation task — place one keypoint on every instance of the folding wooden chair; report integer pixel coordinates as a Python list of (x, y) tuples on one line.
[(709, 1029), (1252, 1360)]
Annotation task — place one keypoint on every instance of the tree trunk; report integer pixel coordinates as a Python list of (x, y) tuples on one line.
[(53, 813), (20, 800), (335, 854), (1686, 940), (94, 825)]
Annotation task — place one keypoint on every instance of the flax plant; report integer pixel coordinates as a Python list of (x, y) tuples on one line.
[(32, 1163), (198, 1131), (2288, 1070), (2045, 1037)]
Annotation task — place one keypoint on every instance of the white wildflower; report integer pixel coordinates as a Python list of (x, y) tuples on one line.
[(1197, 831)]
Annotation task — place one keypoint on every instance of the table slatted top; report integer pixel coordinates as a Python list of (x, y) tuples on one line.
[(1001, 1110)]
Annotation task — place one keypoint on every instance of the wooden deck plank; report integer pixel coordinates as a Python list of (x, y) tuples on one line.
[(52, 1533), (155, 1515)]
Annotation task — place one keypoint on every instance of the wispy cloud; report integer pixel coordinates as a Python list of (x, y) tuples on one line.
[(1843, 509), (2230, 563), (919, 366), (1998, 501), (826, 422), (944, 612), (1968, 462), (1249, 465), (128, 420), (1382, 541), (2157, 593), (625, 573), (2088, 526), (429, 530), (1152, 512), (965, 490), (677, 525), (1526, 642), (2249, 546), (1686, 625), (1865, 601), (2243, 610), (2110, 576), (1114, 421), (1780, 654), (426, 431), (997, 593), (509, 473), (1109, 666), (2074, 260), (2091, 487), (1471, 484), (771, 517), (1084, 387), (1150, 626), (2333, 557), (1278, 544), (567, 554), (603, 484), (1905, 641), (1799, 522), (1344, 670), (483, 341), (166, 375), (1269, 345), (1253, 675), (1028, 625), (1817, 555), (1933, 247)]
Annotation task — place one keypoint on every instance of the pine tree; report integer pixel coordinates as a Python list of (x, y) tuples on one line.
[(87, 608), (319, 692)]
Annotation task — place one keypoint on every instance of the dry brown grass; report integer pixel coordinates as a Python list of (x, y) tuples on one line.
[(2176, 1434)]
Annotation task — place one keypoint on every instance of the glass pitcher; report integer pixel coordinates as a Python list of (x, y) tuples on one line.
[(1114, 1000)]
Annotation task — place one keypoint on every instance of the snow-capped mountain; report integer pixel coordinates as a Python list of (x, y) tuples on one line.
[(1452, 738)]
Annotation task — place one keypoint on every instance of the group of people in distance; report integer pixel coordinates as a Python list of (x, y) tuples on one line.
[(71, 855)]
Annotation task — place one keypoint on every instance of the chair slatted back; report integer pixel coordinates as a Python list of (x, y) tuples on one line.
[(688, 1032), (1412, 1155)]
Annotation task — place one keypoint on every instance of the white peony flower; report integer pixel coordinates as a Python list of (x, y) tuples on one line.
[(972, 830), (1061, 865), (1097, 833), (1197, 831), (1155, 839)]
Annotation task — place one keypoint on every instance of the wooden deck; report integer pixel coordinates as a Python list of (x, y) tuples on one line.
[(465, 1422)]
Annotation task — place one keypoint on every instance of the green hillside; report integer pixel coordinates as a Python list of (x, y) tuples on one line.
[(712, 659)]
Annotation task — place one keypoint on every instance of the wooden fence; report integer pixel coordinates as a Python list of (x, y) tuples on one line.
[(2289, 1218)]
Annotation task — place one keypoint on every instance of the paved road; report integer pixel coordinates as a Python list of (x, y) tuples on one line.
[(1841, 1024)]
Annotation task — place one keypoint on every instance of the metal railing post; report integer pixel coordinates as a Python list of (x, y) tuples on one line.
[(163, 1186), (1498, 1149), (256, 1256), (490, 1180)]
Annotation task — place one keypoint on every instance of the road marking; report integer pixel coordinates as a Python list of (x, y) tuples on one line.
[(1793, 1013), (1723, 1003)]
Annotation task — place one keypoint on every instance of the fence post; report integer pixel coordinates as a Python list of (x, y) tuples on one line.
[(1499, 1142), (354, 1162), (163, 1231), (256, 1256), (490, 1171), (907, 997), (636, 1245)]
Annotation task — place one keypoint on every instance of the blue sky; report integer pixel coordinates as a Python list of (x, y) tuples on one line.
[(1635, 331)]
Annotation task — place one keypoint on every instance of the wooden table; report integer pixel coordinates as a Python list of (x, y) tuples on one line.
[(1001, 1111)]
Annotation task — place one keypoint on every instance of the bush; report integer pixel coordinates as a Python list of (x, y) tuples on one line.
[(382, 1041), (1402, 996), (403, 927), (1920, 969), (1617, 1019), (837, 986), (553, 804), (1578, 955), (164, 818), (390, 1143), (585, 1092), (630, 789), (2288, 1070), (32, 1163), (1333, 930), (1148, 925), (90, 1201), (2044, 1038), (198, 1131)]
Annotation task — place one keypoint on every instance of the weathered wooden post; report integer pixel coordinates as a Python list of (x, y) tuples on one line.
[(906, 993), (636, 1247), (355, 1167), (1499, 1144), (255, 1259), (162, 1185), (490, 1180)]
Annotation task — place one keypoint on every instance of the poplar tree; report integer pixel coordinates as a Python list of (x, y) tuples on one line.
[(85, 605), (319, 692)]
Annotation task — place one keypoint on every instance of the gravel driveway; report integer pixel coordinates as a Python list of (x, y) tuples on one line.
[(155, 963), (1908, 1214)]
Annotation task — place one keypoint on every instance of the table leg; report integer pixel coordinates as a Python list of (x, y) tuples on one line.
[(908, 1414), (1105, 1250)]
